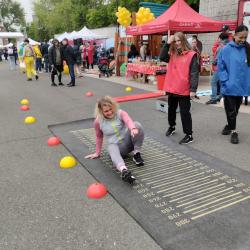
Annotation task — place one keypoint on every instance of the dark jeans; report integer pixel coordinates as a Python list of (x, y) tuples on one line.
[(57, 70), (185, 105), (46, 62), (72, 73), (39, 64), (232, 106)]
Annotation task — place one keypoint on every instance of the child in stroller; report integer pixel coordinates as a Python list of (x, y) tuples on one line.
[(105, 67)]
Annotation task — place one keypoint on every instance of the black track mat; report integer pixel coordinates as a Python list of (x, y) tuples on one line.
[(183, 198)]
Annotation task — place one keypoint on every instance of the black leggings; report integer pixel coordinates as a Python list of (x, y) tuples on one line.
[(232, 106), (185, 105)]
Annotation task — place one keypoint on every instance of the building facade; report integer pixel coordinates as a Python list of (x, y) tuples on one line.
[(218, 10)]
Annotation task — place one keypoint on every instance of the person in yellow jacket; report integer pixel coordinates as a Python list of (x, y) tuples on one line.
[(39, 56), (29, 56)]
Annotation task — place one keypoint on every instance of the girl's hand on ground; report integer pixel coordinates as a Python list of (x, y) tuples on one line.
[(92, 156), (134, 132)]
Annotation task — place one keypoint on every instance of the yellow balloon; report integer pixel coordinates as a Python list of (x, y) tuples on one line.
[(24, 102), (68, 162), (29, 119), (119, 8), (128, 89)]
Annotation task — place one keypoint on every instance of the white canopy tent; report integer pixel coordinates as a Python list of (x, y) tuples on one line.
[(62, 36), (11, 35), (33, 42), (87, 34)]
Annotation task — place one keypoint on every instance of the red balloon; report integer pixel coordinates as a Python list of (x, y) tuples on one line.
[(53, 141), (96, 191), (89, 93), (24, 108)]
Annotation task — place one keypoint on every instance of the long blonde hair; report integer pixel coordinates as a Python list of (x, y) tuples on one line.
[(184, 43), (106, 101)]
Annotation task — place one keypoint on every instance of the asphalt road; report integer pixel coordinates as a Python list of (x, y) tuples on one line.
[(45, 207)]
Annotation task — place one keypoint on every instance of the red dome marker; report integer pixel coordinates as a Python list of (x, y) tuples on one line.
[(89, 93), (53, 141), (96, 191), (24, 108)]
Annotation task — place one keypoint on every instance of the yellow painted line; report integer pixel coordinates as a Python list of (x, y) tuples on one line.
[(217, 205), (173, 176), (142, 170), (209, 199), (166, 170), (217, 209), (181, 191), (212, 202), (159, 164), (154, 176), (184, 184), (205, 197), (180, 179)]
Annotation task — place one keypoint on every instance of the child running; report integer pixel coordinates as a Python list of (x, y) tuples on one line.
[(122, 134)]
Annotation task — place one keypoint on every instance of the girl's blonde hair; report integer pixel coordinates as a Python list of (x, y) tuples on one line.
[(184, 43), (106, 101)]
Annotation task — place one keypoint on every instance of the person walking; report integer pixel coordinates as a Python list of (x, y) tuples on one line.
[(56, 62), (234, 75), (29, 58), (69, 57), (215, 78), (181, 83), (38, 55), (45, 54), (122, 133), (11, 55), (90, 55)]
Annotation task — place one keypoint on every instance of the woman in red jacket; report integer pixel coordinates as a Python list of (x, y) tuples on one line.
[(181, 83)]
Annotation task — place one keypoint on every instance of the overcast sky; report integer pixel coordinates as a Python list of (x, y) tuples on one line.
[(27, 5)]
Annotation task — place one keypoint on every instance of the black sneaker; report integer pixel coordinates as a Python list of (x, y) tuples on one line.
[(61, 84), (171, 131), (234, 138), (127, 176), (226, 130), (70, 83), (138, 160), (211, 102), (37, 77), (53, 84), (186, 140)]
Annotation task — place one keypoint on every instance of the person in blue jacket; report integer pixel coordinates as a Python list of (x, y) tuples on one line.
[(234, 75)]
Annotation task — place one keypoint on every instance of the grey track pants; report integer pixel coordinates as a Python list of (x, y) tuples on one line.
[(129, 143)]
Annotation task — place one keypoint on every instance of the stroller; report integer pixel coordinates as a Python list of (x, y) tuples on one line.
[(105, 67)]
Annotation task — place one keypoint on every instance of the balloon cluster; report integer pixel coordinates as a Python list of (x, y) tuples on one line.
[(123, 16), (144, 15)]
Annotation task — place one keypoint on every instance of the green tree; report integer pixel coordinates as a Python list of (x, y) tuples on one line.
[(12, 15)]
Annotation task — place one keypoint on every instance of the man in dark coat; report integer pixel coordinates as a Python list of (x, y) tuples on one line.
[(45, 53), (56, 61), (70, 58)]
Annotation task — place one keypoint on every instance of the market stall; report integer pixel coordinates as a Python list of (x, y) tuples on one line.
[(179, 17)]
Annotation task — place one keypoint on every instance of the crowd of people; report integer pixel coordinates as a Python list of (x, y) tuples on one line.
[(233, 73), (54, 58)]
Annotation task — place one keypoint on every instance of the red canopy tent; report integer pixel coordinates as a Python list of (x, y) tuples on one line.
[(180, 17)]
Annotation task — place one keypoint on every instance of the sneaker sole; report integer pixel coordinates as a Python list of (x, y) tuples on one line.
[(183, 143), (171, 134), (138, 163)]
